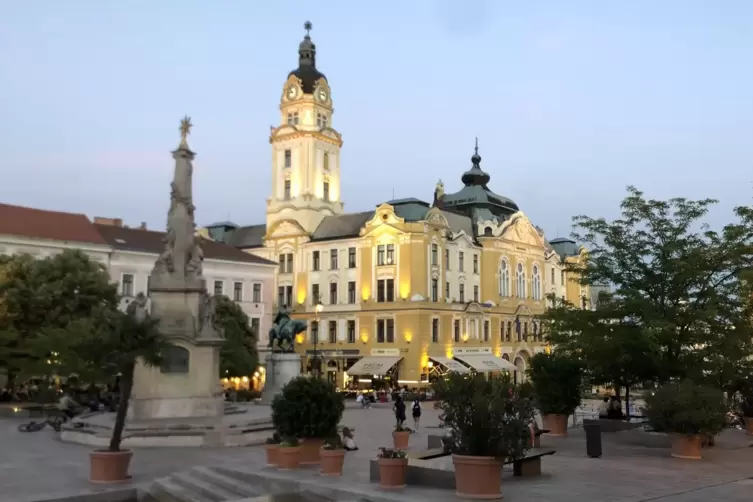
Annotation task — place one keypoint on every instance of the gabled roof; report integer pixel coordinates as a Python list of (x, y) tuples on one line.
[(341, 226), (53, 225), (148, 241)]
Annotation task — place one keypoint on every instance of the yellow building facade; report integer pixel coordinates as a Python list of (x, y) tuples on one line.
[(410, 289)]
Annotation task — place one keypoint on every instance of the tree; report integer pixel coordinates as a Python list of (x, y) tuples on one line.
[(48, 293), (238, 356), (678, 285), (109, 344), (614, 350)]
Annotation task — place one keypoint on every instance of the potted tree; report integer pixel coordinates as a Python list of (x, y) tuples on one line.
[(107, 344), (401, 437), (310, 409), (557, 382), (746, 409), (488, 421), (272, 447), (392, 466), (289, 454), (333, 457), (689, 412)]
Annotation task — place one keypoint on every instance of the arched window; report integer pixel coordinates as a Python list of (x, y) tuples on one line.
[(504, 278), (521, 282), (536, 286)]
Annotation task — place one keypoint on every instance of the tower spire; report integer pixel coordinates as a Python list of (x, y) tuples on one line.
[(475, 175), (307, 48)]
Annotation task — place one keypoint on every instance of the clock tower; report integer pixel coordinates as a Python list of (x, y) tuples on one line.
[(305, 147)]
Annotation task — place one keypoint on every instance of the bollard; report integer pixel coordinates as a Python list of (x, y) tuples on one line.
[(593, 439)]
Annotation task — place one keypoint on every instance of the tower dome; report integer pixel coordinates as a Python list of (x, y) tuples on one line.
[(306, 71)]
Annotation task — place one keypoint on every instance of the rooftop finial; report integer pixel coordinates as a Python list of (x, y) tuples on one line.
[(476, 149), (307, 26), (185, 130)]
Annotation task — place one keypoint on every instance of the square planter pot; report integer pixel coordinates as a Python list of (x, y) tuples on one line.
[(686, 446), (310, 451), (273, 454), (557, 424)]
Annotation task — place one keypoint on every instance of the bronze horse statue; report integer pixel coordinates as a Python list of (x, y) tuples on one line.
[(284, 333)]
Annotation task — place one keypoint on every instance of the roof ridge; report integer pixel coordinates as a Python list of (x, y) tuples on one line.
[(29, 208)]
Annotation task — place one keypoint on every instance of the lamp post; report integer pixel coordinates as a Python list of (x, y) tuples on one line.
[(316, 363)]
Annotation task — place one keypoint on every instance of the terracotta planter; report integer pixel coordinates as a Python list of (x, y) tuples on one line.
[(400, 440), (310, 448), (392, 473), (557, 424), (332, 462), (477, 478), (686, 446), (748, 425), (289, 457), (109, 467), (273, 451)]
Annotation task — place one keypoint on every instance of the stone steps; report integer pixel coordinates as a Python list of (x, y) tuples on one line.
[(200, 484)]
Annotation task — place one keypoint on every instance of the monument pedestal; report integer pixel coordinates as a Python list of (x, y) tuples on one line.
[(188, 387), (282, 367)]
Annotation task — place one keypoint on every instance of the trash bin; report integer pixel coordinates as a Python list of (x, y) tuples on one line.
[(593, 439)]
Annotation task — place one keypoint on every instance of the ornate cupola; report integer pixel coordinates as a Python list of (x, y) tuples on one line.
[(306, 71), (475, 175)]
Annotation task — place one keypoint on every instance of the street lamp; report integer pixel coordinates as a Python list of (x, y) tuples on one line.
[(316, 363)]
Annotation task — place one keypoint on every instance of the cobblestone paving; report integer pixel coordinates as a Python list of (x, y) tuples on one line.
[(36, 466)]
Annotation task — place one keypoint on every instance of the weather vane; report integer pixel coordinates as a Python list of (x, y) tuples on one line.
[(307, 26), (185, 130)]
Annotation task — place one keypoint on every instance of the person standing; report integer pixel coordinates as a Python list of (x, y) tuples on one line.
[(399, 409), (416, 412)]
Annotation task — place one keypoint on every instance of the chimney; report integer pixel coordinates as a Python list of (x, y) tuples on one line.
[(111, 222), (142, 226)]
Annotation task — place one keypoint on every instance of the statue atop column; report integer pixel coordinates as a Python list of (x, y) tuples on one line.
[(180, 263)]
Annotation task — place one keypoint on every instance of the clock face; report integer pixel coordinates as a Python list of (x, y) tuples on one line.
[(292, 92), (322, 95)]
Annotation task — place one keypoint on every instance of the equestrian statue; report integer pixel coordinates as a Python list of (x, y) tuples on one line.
[(284, 330)]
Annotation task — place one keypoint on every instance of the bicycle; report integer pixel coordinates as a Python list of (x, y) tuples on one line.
[(54, 421)]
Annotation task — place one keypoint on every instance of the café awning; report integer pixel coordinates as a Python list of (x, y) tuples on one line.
[(486, 362), (374, 365), (450, 364)]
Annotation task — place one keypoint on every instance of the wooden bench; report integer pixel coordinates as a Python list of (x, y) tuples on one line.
[(428, 454), (530, 465)]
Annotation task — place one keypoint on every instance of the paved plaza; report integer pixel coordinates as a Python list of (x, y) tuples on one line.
[(37, 466)]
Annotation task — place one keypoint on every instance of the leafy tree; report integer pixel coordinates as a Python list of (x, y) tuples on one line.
[(613, 350), (48, 293), (678, 285), (238, 356), (113, 343)]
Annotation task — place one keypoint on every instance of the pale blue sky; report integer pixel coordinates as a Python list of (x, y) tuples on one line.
[(571, 101)]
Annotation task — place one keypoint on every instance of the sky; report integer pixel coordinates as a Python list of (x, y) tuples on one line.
[(571, 101)]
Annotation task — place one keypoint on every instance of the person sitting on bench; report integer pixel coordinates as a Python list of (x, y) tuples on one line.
[(348, 442)]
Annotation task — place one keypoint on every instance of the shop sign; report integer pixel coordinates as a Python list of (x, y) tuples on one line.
[(469, 351), (385, 352), (334, 353)]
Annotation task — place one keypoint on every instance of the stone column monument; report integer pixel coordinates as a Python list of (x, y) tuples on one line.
[(188, 383)]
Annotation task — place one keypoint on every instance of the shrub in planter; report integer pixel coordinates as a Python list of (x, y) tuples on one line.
[(392, 466), (689, 411), (488, 421), (310, 409), (333, 457), (272, 446), (556, 381), (289, 454), (401, 437)]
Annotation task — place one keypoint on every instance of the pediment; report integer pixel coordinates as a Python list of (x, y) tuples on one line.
[(519, 229), (435, 217), (285, 228), (384, 215), (474, 308), (461, 236), (523, 310)]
